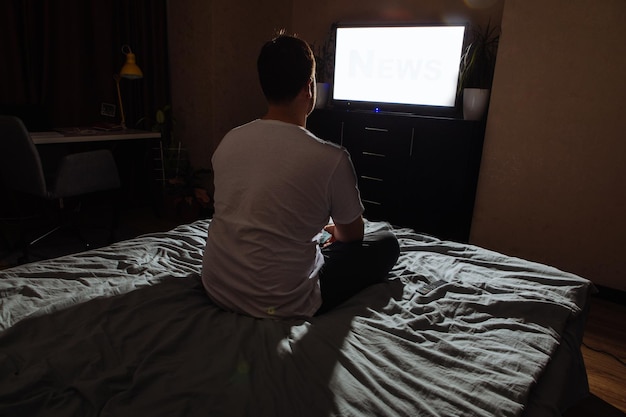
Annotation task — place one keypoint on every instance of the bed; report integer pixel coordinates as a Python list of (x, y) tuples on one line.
[(127, 330)]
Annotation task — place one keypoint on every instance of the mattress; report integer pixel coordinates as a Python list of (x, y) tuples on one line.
[(127, 330)]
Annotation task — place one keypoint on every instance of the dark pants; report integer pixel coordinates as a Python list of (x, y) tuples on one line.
[(351, 267)]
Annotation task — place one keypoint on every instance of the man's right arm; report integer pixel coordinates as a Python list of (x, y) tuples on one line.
[(345, 202)]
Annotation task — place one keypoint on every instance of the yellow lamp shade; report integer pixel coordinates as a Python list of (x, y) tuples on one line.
[(130, 68)]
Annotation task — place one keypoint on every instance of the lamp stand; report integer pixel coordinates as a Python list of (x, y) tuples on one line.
[(119, 98), (131, 71)]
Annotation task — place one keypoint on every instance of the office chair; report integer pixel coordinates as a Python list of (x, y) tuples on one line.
[(76, 174)]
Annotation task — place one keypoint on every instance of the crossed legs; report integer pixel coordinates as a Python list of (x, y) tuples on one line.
[(351, 267)]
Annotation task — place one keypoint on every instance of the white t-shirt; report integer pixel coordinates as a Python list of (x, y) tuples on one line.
[(276, 185)]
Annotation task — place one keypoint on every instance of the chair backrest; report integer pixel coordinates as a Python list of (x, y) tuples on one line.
[(20, 165)]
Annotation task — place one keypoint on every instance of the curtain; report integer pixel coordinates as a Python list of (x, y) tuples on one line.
[(58, 59)]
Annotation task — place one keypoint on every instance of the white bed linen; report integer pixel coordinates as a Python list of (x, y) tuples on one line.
[(128, 330)]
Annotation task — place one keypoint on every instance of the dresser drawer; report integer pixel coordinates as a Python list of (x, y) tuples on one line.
[(373, 165), (372, 189), (374, 211), (378, 139)]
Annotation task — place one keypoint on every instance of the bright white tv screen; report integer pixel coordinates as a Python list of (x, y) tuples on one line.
[(408, 65)]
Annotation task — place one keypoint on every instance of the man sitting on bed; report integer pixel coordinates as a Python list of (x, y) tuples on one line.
[(276, 187)]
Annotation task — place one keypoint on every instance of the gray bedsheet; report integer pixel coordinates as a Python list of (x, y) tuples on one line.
[(127, 330)]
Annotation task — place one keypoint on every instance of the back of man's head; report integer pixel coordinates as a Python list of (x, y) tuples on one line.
[(285, 64)]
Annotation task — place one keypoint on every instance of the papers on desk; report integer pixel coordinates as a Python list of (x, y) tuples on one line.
[(107, 127), (77, 131), (76, 134), (99, 128), (52, 134)]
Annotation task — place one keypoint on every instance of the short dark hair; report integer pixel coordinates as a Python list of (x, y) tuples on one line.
[(285, 64)]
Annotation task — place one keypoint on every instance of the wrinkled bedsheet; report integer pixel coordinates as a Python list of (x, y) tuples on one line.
[(127, 330)]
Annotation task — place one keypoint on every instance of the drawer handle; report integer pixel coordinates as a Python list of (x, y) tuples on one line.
[(379, 155), (376, 129), (372, 202), (365, 177)]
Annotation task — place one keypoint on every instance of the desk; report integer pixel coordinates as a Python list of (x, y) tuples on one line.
[(90, 135), (131, 148)]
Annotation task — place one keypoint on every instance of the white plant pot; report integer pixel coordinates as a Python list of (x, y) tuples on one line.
[(323, 90), (475, 103)]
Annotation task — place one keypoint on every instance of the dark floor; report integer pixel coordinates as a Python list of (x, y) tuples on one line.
[(604, 351), (90, 228), (594, 406)]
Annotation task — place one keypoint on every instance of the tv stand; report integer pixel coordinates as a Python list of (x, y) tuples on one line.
[(413, 171), (420, 111)]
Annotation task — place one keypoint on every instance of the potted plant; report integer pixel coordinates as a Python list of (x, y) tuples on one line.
[(185, 191), (477, 69), (324, 68)]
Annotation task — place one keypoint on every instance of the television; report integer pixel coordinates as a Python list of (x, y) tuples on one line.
[(410, 68)]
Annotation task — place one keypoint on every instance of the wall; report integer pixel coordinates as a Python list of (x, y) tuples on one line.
[(190, 44), (214, 45), (213, 49), (327, 12), (553, 178), (553, 174)]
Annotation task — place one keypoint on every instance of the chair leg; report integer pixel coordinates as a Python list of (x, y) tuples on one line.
[(115, 216), (68, 218), (45, 235), (64, 220)]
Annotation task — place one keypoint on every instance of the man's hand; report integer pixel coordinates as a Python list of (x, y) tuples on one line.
[(350, 232)]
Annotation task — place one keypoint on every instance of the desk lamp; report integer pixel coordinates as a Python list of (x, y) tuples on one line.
[(131, 71)]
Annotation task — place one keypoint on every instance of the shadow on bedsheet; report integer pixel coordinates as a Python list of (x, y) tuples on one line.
[(167, 350)]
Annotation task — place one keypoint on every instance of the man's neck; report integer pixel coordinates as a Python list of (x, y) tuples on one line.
[(287, 114)]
